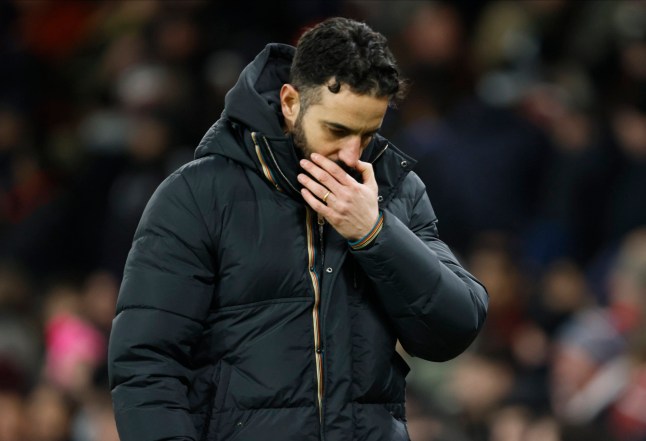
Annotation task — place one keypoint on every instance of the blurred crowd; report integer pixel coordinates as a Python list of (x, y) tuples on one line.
[(528, 119)]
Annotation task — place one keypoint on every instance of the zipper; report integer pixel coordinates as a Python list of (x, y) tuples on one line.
[(381, 152), (320, 220), (265, 168), (315, 278), (273, 158)]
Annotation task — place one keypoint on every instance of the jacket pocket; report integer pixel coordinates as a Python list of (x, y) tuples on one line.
[(222, 386), (219, 388), (241, 424)]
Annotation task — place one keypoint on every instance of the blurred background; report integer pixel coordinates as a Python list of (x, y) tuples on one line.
[(528, 119)]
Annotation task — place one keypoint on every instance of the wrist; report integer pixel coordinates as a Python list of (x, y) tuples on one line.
[(369, 237)]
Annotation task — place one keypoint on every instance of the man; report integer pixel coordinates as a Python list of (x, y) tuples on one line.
[(270, 278)]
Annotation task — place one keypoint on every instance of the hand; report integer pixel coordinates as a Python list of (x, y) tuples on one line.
[(349, 206)]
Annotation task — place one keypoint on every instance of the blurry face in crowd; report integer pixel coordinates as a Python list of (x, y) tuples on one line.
[(338, 126)]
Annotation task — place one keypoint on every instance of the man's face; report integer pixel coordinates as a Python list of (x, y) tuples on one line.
[(338, 126)]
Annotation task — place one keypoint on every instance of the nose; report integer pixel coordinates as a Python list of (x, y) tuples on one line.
[(350, 152)]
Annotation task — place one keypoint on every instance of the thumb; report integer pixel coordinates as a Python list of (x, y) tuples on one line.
[(367, 172)]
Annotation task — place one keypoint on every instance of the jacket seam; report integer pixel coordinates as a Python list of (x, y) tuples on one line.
[(153, 308), (376, 403), (263, 302), (251, 409)]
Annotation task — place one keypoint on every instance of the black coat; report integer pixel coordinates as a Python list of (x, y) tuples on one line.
[(241, 318)]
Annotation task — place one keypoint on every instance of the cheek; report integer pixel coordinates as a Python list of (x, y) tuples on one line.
[(320, 142)]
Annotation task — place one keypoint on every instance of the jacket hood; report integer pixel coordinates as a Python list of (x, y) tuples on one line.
[(254, 100), (252, 105)]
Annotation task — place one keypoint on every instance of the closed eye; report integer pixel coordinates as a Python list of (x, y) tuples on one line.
[(339, 133)]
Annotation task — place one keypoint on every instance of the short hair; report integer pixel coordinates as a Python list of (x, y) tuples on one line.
[(347, 52)]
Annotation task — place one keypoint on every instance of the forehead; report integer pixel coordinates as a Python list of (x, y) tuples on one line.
[(350, 109)]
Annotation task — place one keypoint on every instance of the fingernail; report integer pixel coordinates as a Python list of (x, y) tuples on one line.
[(303, 162)]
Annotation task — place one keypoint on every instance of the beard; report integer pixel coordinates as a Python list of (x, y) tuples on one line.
[(305, 150)]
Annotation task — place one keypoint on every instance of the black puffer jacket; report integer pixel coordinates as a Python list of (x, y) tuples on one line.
[(241, 318)]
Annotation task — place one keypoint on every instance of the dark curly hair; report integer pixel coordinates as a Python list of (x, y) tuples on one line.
[(346, 52)]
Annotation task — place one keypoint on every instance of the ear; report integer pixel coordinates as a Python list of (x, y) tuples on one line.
[(290, 103)]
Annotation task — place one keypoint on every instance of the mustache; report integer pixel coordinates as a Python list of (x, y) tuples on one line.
[(302, 151)]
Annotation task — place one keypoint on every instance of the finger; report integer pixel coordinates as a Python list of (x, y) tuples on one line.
[(333, 168), (314, 187), (316, 205), (367, 172), (323, 177)]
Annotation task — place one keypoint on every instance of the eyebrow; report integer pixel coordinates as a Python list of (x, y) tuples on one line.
[(338, 126)]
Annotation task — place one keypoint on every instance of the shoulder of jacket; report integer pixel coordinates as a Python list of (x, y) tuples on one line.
[(210, 179), (198, 166), (412, 187), (414, 183), (206, 169)]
